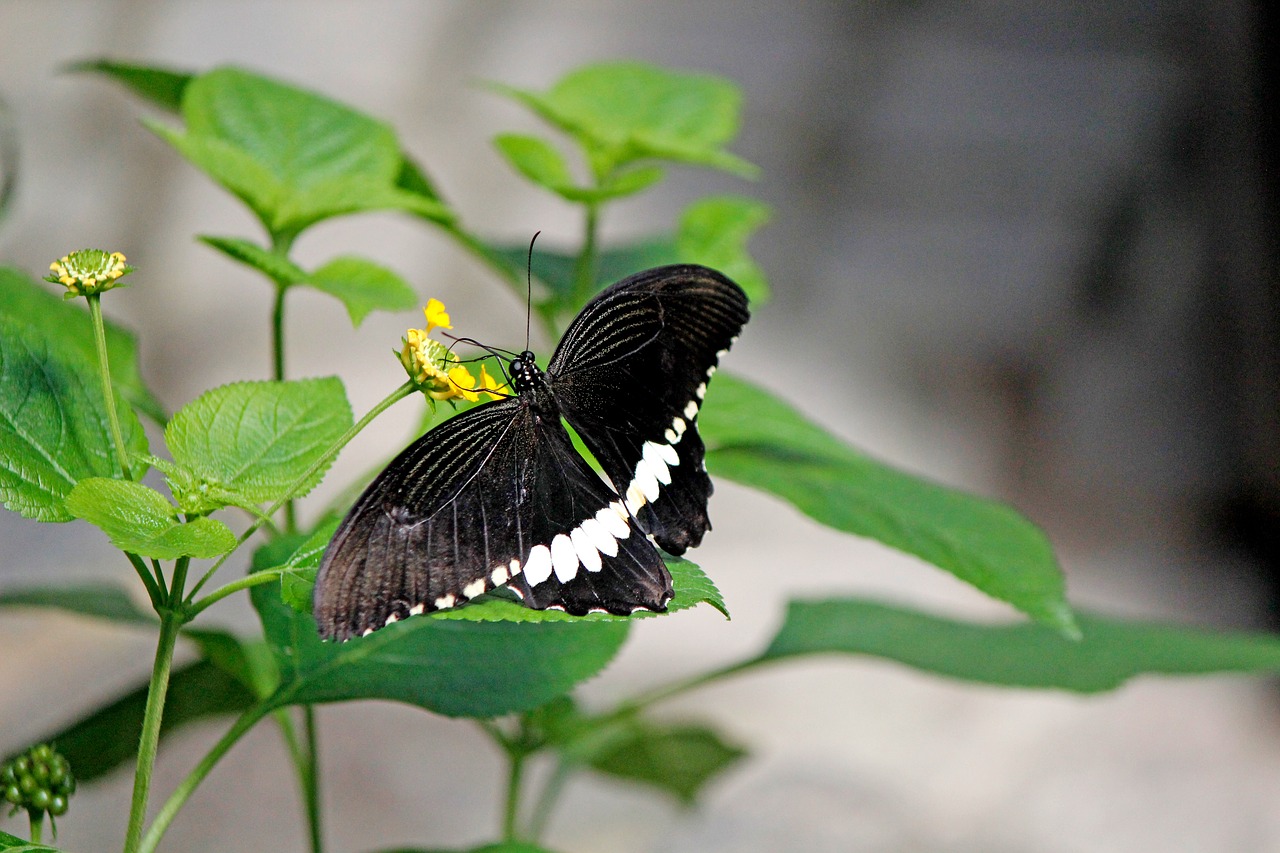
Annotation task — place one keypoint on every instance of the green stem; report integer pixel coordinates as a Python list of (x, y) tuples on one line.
[(387, 402), (584, 272), (108, 391), (659, 694), (183, 792), (511, 813), (152, 582), (311, 780), (171, 621), (547, 800), (37, 826)]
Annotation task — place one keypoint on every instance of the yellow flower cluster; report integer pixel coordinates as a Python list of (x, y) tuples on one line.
[(436, 370), (88, 271)]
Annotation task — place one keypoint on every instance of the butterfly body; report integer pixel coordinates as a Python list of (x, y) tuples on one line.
[(499, 496)]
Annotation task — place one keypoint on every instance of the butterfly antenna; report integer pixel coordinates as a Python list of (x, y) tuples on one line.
[(528, 281)]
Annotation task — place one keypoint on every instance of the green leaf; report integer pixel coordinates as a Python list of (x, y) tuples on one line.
[(107, 737), (248, 442), (1020, 655), (626, 111), (456, 668), (541, 163), (714, 233), (274, 266), (140, 520), (68, 327), (536, 159), (53, 424), (100, 601), (556, 269), (13, 844), (295, 157), (413, 179), (363, 286), (760, 441), (162, 87), (677, 759)]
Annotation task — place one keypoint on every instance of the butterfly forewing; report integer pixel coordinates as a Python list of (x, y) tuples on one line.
[(630, 375)]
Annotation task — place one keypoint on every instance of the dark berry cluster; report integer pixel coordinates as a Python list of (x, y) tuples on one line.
[(39, 780)]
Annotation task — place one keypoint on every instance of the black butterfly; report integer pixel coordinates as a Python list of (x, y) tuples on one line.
[(498, 496)]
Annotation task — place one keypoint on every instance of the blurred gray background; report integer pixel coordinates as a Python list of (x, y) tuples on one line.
[(1022, 248)]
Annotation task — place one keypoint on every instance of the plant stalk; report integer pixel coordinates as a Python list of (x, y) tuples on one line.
[(108, 391)]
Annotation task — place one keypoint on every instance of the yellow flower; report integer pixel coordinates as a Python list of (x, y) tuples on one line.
[(437, 316), (464, 383), (88, 271), (424, 361), (489, 385)]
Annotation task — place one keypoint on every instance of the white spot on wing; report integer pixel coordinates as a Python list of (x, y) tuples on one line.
[(367, 632), (701, 390), (514, 568), (564, 558), (445, 601), (417, 609), (646, 480), (613, 519), (635, 497), (679, 426), (392, 618), (668, 454), (656, 456), (691, 410), (473, 589), (499, 576), (601, 538), (538, 567), (587, 552)]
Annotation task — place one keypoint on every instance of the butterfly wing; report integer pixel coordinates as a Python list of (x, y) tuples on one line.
[(630, 374), (493, 494)]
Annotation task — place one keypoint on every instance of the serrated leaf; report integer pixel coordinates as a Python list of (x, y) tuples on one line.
[(53, 425), (138, 519), (276, 267), (1110, 652), (295, 157), (107, 737), (100, 601), (162, 87), (677, 759), (471, 669), (250, 441), (760, 441), (363, 286), (714, 233), (625, 111), (68, 328)]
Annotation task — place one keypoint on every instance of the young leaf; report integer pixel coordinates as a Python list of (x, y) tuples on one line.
[(454, 668), (760, 441), (677, 759), (536, 159), (162, 87), (363, 286), (714, 233), (66, 324), (293, 156), (626, 111), (246, 443), (53, 424), (107, 737), (1018, 655), (274, 266), (138, 519)]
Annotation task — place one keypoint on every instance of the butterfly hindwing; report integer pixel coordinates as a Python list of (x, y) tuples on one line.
[(494, 494), (630, 374)]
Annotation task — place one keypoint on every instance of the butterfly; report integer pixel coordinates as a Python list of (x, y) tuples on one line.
[(498, 496)]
